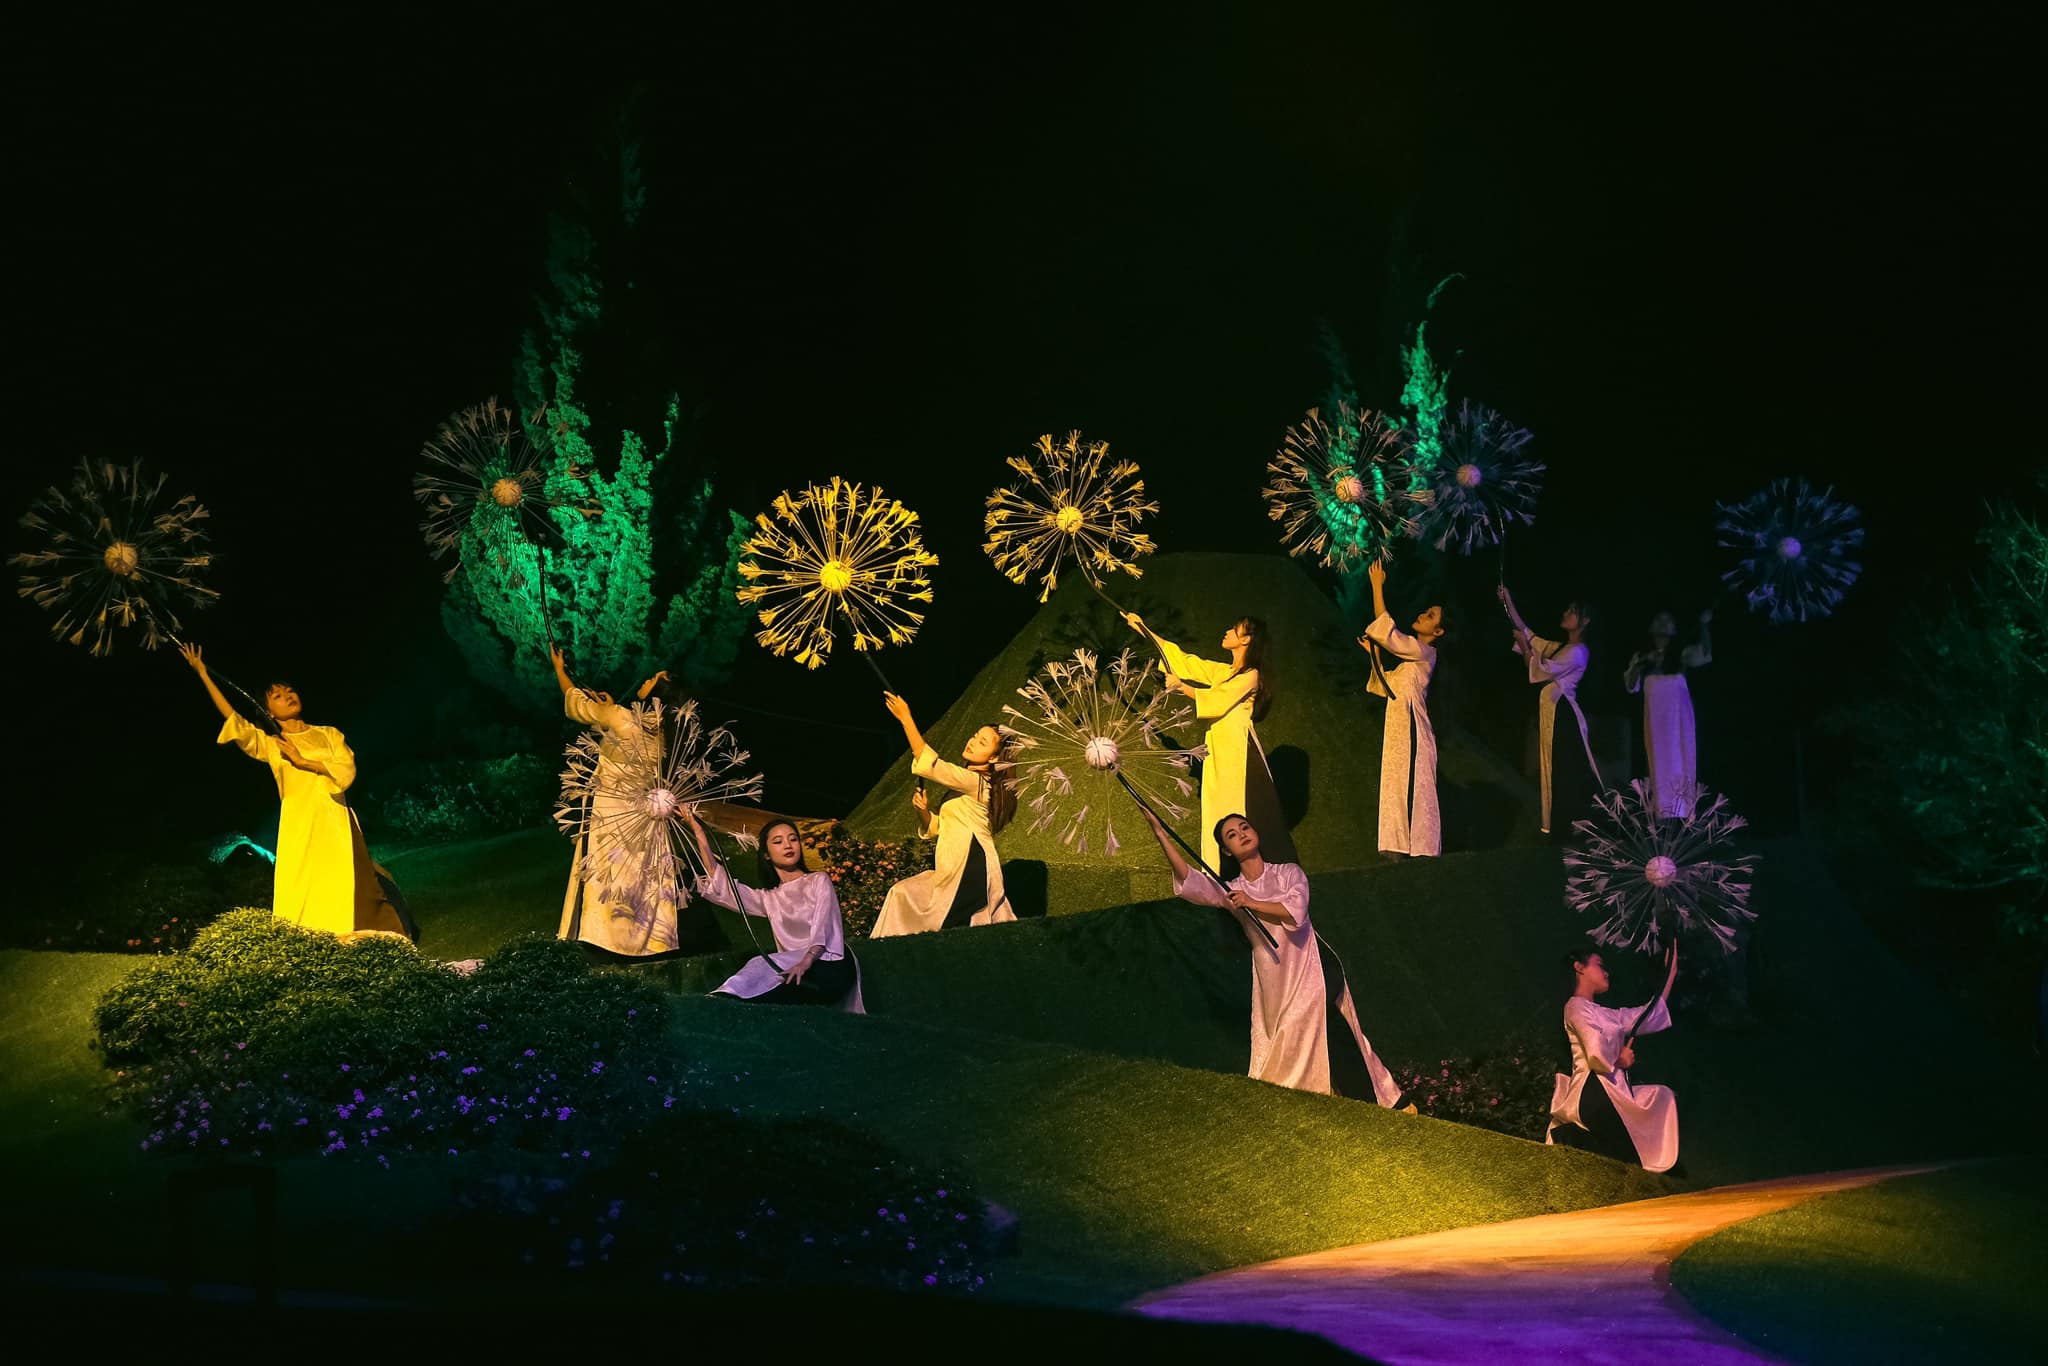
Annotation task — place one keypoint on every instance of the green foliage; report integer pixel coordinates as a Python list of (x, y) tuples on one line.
[(622, 533), (456, 798), (128, 905), (1959, 756)]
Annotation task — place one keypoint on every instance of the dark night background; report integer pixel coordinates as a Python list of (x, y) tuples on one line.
[(270, 256)]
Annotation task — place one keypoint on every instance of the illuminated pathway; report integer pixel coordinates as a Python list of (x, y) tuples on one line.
[(1593, 1286)]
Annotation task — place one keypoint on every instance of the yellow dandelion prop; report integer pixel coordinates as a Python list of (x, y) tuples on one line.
[(1068, 504)]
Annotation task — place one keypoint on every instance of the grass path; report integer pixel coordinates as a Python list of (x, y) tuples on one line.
[(1592, 1286)]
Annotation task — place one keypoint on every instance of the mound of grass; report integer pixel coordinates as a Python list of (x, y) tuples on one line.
[(475, 896), (1322, 736), (1940, 1267)]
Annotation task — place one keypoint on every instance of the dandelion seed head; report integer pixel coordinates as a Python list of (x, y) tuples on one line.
[(1793, 549), (1068, 503), (1483, 483), (1333, 487), (834, 556)]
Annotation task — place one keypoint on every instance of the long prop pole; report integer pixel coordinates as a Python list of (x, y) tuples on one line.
[(1198, 861), (745, 919)]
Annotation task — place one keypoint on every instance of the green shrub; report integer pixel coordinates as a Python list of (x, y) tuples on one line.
[(454, 798), (135, 905), (264, 1038)]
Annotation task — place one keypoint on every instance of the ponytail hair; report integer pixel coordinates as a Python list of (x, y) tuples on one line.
[(1002, 801)]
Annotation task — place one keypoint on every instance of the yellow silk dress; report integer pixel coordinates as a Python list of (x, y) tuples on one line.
[(1226, 705), (315, 881)]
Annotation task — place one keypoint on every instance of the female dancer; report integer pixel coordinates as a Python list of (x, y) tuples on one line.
[(1300, 1000), (813, 967), (324, 878), (620, 898), (1409, 819), (1617, 1120), (1659, 675), (1230, 697), (1558, 665), (965, 884)]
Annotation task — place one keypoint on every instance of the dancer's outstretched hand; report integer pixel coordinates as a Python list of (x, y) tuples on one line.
[(1134, 621), (898, 708), (1376, 573), (192, 657)]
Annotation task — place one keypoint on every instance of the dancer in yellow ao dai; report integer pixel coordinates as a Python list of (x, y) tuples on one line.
[(324, 877), (1230, 697), (965, 884), (1410, 822), (1305, 1031), (620, 898)]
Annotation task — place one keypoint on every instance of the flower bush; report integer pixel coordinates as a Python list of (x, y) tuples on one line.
[(133, 905), (1506, 1088), (457, 798), (864, 870), (543, 1086)]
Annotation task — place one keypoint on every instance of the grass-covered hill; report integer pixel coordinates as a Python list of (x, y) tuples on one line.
[(1322, 735)]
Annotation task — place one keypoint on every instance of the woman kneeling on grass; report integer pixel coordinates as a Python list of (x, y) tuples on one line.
[(811, 967), (1300, 1000), (1613, 1118)]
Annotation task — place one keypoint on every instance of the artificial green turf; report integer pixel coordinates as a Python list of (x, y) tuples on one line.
[(475, 896), (1323, 734), (1132, 1175), (1941, 1267)]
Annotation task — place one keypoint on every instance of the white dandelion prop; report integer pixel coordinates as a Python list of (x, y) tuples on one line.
[(624, 802), (1084, 730), (490, 473), (115, 553), (835, 554), (1337, 487), (1067, 505), (1654, 878), (1794, 548), (1482, 483)]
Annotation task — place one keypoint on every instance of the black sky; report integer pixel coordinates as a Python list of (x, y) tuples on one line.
[(270, 259)]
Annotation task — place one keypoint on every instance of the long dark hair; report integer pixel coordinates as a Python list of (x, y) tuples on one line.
[(1002, 801), (765, 875), (1255, 661), (1227, 864)]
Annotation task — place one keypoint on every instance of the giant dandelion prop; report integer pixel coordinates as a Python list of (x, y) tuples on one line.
[(489, 482), (1087, 730), (1654, 878), (831, 553), (1336, 488), (1794, 548), (1481, 484), (115, 554), (1066, 504), (624, 802)]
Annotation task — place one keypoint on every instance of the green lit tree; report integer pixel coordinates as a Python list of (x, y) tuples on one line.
[(1960, 756), (640, 572)]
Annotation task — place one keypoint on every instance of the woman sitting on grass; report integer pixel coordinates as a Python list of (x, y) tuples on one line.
[(1300, 1000), (1615, 1119), (811, 966)]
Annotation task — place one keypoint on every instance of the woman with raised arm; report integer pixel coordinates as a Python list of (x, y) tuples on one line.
[(615, 900), (1229, 698), (1615, 1119), (1410, 823), (324, 877), (1568, 776), (965, 883), (811, 965), (1658, 673), (1304, 1025)]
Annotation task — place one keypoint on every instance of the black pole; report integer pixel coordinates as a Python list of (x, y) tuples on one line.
[(1251, 919)]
